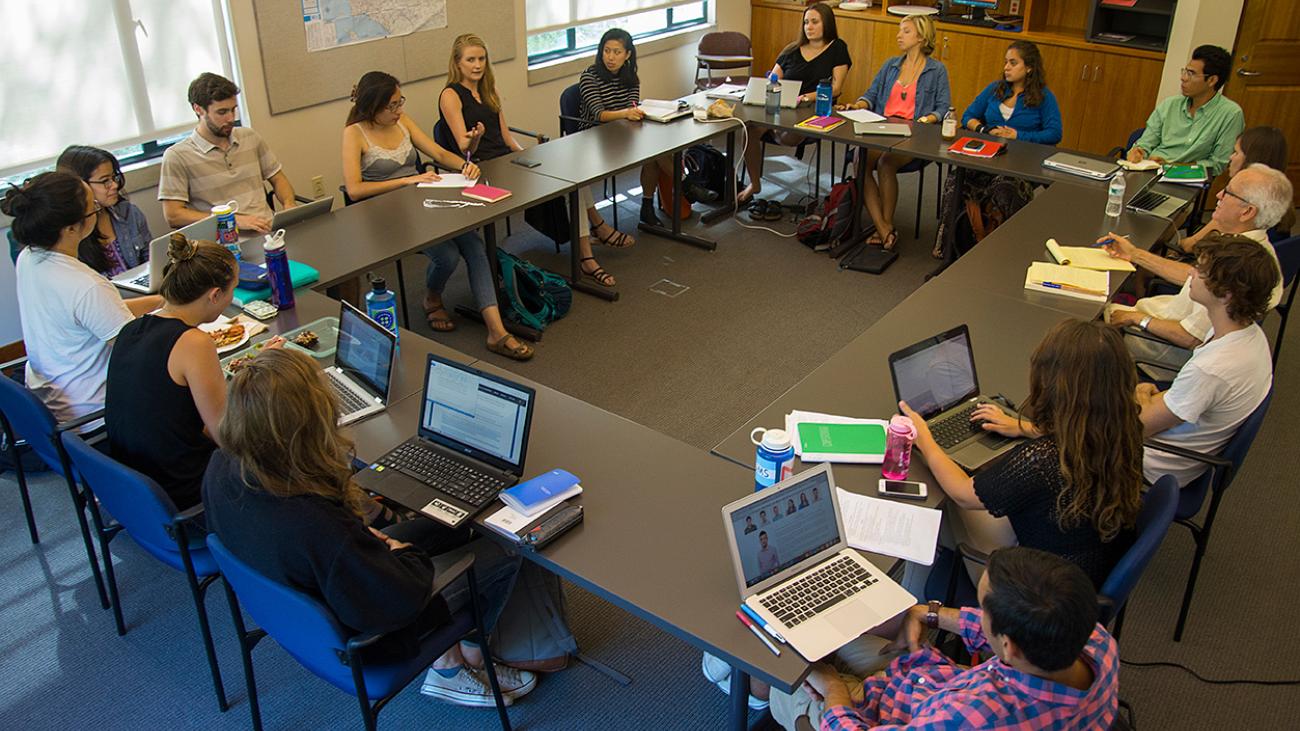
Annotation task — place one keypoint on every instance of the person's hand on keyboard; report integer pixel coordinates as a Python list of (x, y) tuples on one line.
[(991, 418), (923, 435)]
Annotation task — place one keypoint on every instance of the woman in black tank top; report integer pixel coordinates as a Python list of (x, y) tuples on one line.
[(472, 111), (165, 390)]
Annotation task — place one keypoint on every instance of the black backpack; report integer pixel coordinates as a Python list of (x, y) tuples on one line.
[(829, 223), (706, 173)]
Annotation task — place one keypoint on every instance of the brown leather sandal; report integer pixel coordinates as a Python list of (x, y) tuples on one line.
[(520, 350)]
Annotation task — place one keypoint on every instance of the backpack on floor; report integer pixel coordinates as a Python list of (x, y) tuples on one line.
[(534, 296), (706, 173), (829, 223)]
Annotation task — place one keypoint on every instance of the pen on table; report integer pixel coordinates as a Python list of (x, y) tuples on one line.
[(759, 621), (754, 628), (1071, 287), (1108, 240)]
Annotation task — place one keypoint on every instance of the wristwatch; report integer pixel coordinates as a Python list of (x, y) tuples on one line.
[(1145, 322), (932, 613)]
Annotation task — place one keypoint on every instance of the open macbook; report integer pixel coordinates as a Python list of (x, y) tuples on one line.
[(146, 277), (756, 92), (363, 365), (1146, 200), (936, 377), (795, 568)]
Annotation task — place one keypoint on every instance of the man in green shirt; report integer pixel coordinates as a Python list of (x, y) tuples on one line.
[(1201, 125)]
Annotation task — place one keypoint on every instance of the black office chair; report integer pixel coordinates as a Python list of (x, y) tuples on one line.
[(1288, 256), (570, 123)]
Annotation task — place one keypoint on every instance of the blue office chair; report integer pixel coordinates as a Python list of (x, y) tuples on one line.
[(14, 246), (1288, 256), (1215, 481), (27, 421), (571, 123), (147, 514), (1153, 522), (310, 632)]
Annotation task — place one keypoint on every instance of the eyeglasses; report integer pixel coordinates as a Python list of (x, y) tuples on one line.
[(1225, 191), (1189, 74), (394, 106), (116, 178)]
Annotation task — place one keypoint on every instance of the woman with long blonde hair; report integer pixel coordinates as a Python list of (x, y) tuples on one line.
[(279, 493), (471, 109), (1074, 486)]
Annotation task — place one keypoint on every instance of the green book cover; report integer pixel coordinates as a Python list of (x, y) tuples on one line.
[(1185, 172), (842, 438)]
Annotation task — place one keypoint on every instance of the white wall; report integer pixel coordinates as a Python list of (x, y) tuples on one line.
[(1196, 23)]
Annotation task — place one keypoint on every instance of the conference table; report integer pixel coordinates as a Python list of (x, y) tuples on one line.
[(676, 573)]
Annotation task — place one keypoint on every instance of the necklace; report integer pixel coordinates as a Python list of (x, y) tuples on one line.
[(905, 85)]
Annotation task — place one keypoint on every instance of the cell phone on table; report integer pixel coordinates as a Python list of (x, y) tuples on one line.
[(903, 488), (525, 162), (973, 146)]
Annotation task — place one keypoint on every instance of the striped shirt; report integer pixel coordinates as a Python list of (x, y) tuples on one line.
[(197, 172), (599, 95), (925, 690)]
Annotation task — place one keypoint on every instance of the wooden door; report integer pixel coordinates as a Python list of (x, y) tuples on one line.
[(857, 35), (1069, 76), (771, 29), (973, 62), (1266, 72), (1122, 92)]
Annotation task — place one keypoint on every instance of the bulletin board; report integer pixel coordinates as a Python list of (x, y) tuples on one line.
[(296, 78)]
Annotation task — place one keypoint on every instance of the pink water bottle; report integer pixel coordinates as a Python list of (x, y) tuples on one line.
[(898, 448)]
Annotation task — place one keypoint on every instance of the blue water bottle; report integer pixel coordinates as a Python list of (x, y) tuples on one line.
[(774, 459), (277, 270), (381, 305), (823, 108)]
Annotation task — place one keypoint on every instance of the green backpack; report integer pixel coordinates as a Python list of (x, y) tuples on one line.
[(534, 296)]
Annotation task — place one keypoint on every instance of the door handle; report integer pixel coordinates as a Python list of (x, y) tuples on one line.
[(1084, 75), (1096, 73), (1248, 72)]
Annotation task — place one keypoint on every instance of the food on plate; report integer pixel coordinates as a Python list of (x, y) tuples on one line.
[(237, 364), (306, 339), (227, 335)]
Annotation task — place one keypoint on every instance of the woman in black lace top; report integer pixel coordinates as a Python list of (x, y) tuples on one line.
[(1074, 486)]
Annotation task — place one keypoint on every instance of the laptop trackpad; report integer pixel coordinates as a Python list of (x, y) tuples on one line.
[(993, 440), (847, 620)]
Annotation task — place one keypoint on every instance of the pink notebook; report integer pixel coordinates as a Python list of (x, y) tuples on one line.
[(485, 193)]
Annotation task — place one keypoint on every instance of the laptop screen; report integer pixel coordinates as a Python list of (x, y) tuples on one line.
[(365, 350), (792, 524), (937, 373), (477, 413)]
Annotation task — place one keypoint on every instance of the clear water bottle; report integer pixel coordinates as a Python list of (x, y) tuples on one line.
[(774, 458), (824, 88), (772, 103), (1115, 197), (381, 305), (277, 270), (949, 128), (898, 448)]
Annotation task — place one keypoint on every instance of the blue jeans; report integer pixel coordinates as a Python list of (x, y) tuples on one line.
[(445, 255)]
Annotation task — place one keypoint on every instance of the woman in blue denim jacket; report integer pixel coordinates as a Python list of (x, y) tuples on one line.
[(121, 237), (1019, 106), (911, 86)]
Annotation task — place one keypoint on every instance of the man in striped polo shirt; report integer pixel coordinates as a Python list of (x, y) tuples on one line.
[(220, 162)]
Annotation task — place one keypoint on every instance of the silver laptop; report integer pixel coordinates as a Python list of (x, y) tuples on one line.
[(796, 570), (936, 377), (1087, 167), (756, 92), (882, 128), (148, 276), (363, 365), (1146, 200)]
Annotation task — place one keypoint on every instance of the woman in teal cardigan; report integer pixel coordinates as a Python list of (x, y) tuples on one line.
[(912, 86), (1019, 106)]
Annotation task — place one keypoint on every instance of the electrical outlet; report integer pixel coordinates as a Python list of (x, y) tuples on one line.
[(1014, 8), (318, 186)]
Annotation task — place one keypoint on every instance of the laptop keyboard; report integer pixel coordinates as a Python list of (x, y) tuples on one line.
[(818, 591), (1148, 200), (955, 428), (142, 280), (437, 470), (349, 402)]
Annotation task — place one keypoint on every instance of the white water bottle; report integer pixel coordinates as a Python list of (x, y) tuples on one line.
[(1115, 199), (949, 128)]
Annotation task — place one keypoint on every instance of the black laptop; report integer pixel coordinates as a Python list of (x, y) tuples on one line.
[(936, 377), (472, 440)]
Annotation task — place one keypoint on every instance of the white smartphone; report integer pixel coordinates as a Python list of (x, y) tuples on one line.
[(903, 489)]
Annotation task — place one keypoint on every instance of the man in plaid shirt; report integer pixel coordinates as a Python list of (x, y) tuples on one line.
[(1052, 665)]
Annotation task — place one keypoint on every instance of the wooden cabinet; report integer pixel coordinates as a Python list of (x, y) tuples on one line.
[(859, 38), (1069, 77), (771, 29), (1103, 96), (973, 62)]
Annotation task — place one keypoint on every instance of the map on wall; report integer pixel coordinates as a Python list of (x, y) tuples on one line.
[(335, 23)]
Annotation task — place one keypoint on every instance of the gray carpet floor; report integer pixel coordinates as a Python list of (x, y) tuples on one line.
[(760, 313)]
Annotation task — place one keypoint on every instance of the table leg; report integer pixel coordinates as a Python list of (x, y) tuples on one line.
[(738, 718), (523, 331), (675, 232), (728, 206), (857, 233), (575, 258)]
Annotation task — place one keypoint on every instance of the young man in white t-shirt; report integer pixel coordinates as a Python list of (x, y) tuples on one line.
[(1230, 374)]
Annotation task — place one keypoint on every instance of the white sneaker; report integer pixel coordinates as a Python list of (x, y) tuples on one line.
[(719, 673), (515, 683), (467, 687)]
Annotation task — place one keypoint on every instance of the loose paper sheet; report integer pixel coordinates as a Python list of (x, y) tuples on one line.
[(909, 532)]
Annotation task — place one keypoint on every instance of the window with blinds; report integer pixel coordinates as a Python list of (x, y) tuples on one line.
[(110, 73), (560, 29)]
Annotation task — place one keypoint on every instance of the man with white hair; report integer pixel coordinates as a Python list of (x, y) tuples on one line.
[(1253, 201)]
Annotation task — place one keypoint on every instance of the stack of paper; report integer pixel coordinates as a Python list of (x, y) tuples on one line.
[(449, 180), (1067, 280), (909, 532), (830, 438), (1087, 257), (860, 115)]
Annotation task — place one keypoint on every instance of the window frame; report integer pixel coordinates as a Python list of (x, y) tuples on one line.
[(571, 50)]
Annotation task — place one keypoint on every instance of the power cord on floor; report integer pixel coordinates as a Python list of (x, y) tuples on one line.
[(1202, 678), (739, 165)]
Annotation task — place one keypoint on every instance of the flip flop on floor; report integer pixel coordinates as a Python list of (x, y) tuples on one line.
[(757, 209), (775, 211), (520, 350)]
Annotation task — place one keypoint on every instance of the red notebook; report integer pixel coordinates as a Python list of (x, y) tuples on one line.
[(975, 147), (485, 193)]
